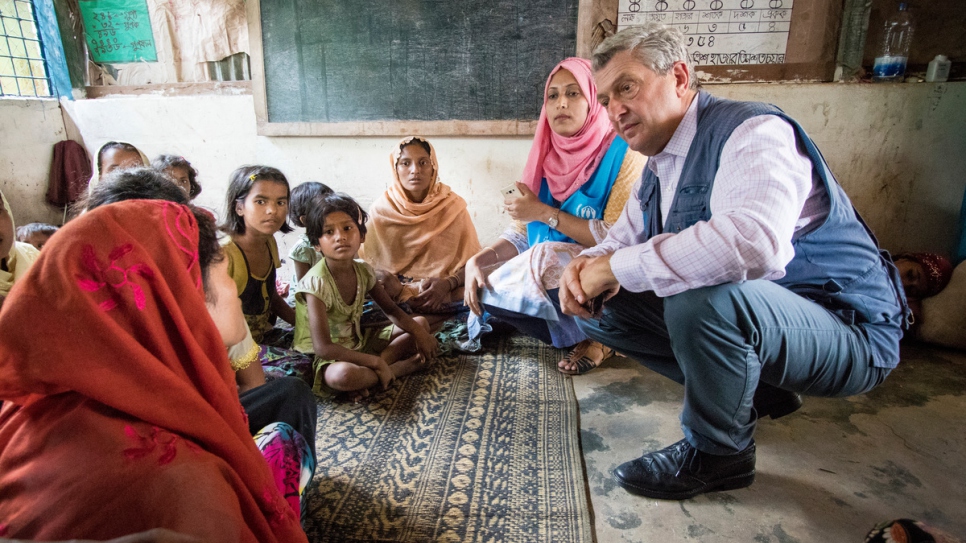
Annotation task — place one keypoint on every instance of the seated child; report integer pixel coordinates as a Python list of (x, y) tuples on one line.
[(180, 171), (35, 233), (923, 275), (302, 254), (15, 256), (256, 207), (116, 155), (329, 302)]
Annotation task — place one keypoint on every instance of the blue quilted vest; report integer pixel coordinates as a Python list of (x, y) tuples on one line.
[(838, 265)]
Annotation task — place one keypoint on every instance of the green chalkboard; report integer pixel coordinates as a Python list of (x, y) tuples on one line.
[(118, 30), (329, 61)]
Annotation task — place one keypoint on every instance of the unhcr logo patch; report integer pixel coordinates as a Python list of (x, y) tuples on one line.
[(586, 212)]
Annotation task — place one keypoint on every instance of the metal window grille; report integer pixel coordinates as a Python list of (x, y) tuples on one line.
[(23, 71)]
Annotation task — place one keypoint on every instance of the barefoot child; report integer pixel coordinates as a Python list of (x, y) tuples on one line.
[(329, 301), (256, 208), (303, 255)]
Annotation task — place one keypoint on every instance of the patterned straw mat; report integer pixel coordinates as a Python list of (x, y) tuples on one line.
[(481, 447)]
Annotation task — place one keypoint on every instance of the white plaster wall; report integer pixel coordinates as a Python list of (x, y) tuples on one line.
[(217, 134), (29, 128), (899, 150)]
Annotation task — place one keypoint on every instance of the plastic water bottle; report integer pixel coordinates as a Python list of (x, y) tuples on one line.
[(938, 70), (890, 65)]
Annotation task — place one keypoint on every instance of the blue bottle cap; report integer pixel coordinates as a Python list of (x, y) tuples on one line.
[(903, 6)]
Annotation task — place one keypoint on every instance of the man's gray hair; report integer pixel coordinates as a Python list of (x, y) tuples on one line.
[(654, 45)]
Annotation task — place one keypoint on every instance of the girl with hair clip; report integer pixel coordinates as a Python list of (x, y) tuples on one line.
[(256, 207)]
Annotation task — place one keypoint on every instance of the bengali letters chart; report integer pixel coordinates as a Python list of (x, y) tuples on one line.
[(719, 32)]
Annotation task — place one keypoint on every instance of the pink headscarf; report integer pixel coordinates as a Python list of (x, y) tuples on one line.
[(568, 163)]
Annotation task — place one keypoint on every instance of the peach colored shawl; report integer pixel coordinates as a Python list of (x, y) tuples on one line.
[(433, 238)]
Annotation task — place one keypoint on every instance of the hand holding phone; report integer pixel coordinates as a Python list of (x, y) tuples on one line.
[(511, 192)]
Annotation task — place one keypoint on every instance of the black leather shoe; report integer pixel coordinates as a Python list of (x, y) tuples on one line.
[(680, 472), (774, 402)]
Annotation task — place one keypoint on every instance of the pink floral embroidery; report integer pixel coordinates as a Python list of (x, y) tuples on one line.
[(184, 240), (114, 276), (158, 438)]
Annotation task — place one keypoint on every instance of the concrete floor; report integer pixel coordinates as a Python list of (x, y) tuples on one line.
[(826, 473)]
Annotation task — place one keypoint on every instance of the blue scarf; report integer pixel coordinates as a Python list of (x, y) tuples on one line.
[(588, 202)]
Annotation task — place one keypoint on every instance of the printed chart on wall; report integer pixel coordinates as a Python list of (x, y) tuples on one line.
[(118, 30), (719, 32)]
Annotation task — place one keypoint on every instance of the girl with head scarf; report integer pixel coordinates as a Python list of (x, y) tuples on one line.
[(15, 256), (420, 230), (116, 156), (577, 178), (126, 417)]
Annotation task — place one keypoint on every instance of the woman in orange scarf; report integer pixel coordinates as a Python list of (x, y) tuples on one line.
[(419, 229), (124, 416)]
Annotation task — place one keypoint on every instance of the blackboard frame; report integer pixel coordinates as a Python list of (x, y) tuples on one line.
[(587, 9), (812, 44)]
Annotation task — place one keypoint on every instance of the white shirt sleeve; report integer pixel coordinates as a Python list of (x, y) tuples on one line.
[(759, 191)]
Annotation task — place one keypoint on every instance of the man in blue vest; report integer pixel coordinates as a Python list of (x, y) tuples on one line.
[(739, 267)]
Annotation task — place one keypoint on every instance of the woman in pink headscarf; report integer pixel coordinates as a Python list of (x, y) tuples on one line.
[(574, 186)]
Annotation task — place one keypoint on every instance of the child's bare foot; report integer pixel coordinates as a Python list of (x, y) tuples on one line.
[(409, 365)]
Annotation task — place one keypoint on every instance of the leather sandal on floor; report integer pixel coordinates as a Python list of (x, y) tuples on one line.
[(583, 356)]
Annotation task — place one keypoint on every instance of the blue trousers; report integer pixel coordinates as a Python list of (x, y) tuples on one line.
[(720, 341)]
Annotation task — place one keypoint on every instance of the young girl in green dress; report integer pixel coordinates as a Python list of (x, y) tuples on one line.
[(328, 306)]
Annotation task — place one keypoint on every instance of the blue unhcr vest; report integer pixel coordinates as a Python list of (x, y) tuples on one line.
[(588, 202), (837, 265)]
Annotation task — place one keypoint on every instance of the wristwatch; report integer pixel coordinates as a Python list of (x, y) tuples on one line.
[(552, 222)]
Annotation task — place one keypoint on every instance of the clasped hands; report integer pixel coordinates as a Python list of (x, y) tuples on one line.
[(433, 294), (584, 279)]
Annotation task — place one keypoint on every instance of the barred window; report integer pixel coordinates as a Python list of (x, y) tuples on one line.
[(23, 71)]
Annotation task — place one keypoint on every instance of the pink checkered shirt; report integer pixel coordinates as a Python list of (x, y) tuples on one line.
[(764, 196)]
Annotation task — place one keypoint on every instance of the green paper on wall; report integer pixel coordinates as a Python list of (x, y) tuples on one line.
[(118, 30)]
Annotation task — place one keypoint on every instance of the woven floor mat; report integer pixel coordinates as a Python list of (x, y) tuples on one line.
[(481, 447)]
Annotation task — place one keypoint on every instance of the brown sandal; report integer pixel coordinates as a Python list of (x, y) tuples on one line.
[(584, 362)]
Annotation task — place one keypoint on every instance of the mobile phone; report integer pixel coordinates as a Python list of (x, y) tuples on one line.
[(511, 192), (596, 306)]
